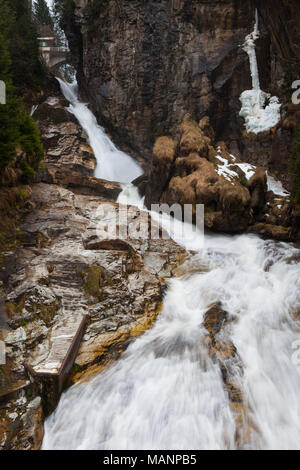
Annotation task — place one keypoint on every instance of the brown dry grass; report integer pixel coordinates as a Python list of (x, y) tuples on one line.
[(205, 126), (164, 149), (193, 138)]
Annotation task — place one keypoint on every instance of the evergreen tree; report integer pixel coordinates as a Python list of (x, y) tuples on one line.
[(42, 13), (17, 128), (27, 68), (64, 11), (295, 165), (7, 19), (10, 116)]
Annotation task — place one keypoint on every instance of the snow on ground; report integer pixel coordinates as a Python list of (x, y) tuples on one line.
[(248, 169), (276, 186), (227, 169)]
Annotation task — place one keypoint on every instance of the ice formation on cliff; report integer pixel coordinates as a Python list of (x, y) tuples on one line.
[(260, 110)]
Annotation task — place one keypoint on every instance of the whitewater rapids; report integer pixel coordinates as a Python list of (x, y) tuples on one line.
[(166, 392), (112, 164)]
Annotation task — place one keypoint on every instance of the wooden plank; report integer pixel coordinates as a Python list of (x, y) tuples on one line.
[(52, 373), (63, 339)]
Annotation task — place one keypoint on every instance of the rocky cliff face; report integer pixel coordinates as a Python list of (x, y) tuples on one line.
[(281, 30), (282, 21), (144, 65)]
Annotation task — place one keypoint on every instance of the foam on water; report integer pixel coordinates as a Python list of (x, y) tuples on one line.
[(166, 392), (112, 164)]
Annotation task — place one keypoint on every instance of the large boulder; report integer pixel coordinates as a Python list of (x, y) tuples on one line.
[(257, 186), (194, 169), (200, 174)]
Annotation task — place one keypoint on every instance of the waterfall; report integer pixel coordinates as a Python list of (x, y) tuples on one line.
[(166, 391), (258, 116), (112, 164)]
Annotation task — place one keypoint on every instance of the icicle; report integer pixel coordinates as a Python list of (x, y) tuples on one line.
[(249, 47), (258, 117)]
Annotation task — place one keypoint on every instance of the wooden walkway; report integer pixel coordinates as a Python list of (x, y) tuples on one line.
[(52, 373)]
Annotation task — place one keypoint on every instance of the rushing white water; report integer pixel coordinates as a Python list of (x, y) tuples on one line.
[(112, 164), (33, 109), (258, 116), (166, 392), (187, 234), (130, 196)]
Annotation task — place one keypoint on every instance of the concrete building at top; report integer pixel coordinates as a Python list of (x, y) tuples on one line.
[(52, 54), (46, 39)]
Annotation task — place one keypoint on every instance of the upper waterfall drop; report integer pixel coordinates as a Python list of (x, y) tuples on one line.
[(258, 116), (112, 164)]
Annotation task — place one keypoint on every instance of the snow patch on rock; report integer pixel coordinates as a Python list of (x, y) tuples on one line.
[(276, 186), (228, 170), (260, 110)]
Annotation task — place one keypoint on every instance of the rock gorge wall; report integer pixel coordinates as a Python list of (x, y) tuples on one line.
[(281, 19), (144, 64)]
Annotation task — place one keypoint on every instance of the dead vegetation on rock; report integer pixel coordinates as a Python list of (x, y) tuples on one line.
[(205, 172)]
